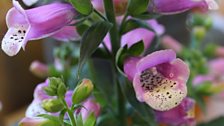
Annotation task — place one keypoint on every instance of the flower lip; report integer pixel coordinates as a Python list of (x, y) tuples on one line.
[(35, 23), (156, 58), (161, 80)]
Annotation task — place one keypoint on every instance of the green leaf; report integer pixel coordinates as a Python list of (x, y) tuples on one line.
[(137, 7), (91, 39), (79, 120), (136, 49), (91, 120), (121, 55), (83, 6), (50, 117), (135, 23)]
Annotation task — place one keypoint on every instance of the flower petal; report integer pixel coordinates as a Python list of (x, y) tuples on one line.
[(162, 87), (67, 33), (137, 35), (130, 67), (179, 115), (178, 6), (14, 39), (156, 58)]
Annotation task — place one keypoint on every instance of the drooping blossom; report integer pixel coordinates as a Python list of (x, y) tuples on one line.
[(90, 106), (119, 6), (30, 2), (183, 114), (39, 69), (179, 6), (37, 121), (139, 34), (159, 79), (36, 23)]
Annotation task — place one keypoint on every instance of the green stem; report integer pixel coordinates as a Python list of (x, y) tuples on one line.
[(121, 105), (123, 23), (114, 37), (70, 113)]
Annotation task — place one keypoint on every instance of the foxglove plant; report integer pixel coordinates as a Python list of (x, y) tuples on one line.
[(115, 43)]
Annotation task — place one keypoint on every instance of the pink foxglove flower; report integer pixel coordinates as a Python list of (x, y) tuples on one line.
[(139, 34), (183, 114), (179, 6), (39, 69), (159, 79), (90, 106), (36, 23)]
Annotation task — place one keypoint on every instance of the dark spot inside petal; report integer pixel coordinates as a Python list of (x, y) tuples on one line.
[(24, 31), (11, 37), (170, 96), (16, 39), (176, 103), (20, 31), (22, 37), (167, 93)]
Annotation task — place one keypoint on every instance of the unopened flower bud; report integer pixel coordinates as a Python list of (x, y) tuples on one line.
[(52, 105), (39, 69), (199, 32), (37, 121), (82, 91)]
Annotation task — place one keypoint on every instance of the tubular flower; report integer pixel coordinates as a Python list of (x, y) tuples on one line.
[(90, 106), (183, 114), (159, 79), (33, 24), (139, 34), (179, 6)]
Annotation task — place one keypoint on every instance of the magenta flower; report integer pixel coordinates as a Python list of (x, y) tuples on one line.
[(159, 79), (39, 69), (36, 23), (179, 6), (139, 34), (183, 114), (90, 106)]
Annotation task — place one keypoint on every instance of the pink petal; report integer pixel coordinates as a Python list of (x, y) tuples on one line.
[(130, 67), (156, 58), (67, 33)]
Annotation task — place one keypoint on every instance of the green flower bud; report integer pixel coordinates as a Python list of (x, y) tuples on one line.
[(52, 105), (82, 91), (61, 90), (199, 32)]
